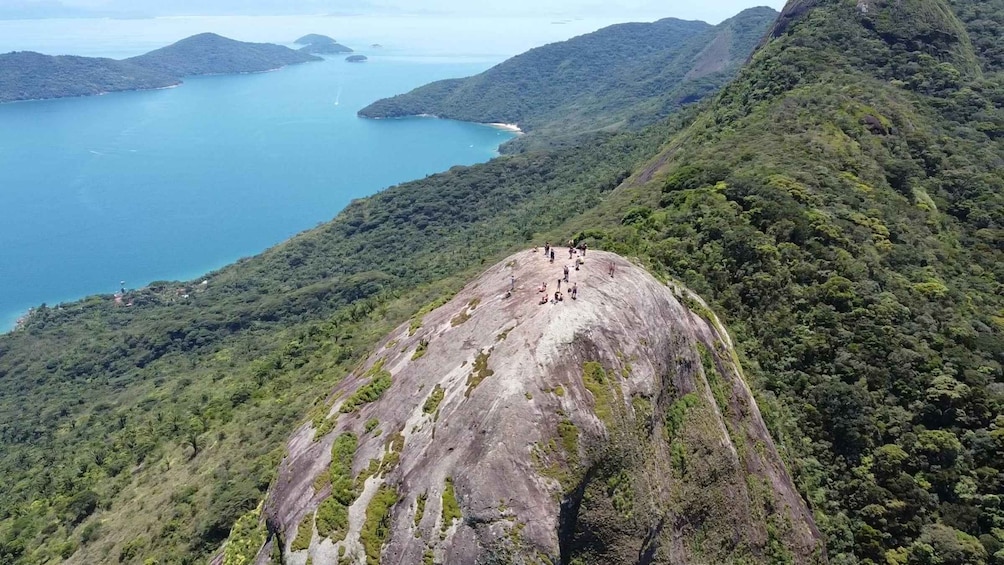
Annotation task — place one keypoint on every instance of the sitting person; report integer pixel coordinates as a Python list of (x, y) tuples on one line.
[(543, 299), (557, 296), (543, 287)]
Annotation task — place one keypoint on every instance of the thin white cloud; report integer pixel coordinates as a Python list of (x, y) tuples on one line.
[(711, 11)]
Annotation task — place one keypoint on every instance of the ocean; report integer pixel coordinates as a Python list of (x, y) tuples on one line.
[(171, 184)]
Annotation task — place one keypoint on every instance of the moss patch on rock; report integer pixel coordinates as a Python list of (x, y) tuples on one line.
[(376, 528), (246, 538), (604, 399), (332, 514), (420, 508), (304, 533), (380, 381), (451, 508), (432, 402), (423, 346), (479, 372)]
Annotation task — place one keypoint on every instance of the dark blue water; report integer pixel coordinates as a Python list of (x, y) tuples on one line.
[(170, 184)]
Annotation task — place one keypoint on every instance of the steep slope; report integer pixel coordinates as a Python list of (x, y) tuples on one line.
[(983, 21), (497, 429), (623, 75), (842, 202), (31, 76)]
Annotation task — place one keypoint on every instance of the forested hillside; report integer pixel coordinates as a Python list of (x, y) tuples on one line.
[(626, 75), (840, 205), (27, 76), (211, 54), (33, 76), (131, 432)]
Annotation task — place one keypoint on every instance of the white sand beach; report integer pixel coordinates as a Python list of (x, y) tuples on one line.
[(507, 127)]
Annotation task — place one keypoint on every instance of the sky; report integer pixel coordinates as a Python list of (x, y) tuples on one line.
[(712, 11)]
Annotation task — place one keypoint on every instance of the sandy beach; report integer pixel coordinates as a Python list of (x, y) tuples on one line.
[(507, 127)]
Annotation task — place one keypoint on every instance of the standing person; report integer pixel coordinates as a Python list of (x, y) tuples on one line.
[(547, 248), (559, 284), (512, 283), (612, 269), (566, 273), (584, 247), (552, 256), (571, 252), (575, 290)]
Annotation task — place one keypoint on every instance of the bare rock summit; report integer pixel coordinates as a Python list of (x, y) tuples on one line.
[(613, 428)]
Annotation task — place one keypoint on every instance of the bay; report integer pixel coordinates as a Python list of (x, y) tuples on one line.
[(172, 184), (169, 184)]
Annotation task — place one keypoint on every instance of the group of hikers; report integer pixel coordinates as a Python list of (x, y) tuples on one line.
[(572, 250), (573, 291)]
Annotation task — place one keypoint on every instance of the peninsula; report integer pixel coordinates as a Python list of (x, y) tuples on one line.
[(33, 76), (625, 76)]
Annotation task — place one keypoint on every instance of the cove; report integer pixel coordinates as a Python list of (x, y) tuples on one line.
[(171, 184)]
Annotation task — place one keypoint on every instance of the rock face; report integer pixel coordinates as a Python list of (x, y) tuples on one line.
[(614, 428)]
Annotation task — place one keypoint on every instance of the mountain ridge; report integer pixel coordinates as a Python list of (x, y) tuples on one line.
[(524, 410), (838, 206)]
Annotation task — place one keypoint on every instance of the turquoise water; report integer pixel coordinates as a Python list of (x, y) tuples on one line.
[(170, 184)]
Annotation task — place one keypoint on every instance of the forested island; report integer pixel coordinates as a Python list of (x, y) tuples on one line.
[(321, 45), (32, 76), (824, 234)]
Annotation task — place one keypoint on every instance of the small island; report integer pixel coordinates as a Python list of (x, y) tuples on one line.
[(357, 59), (317, 44)]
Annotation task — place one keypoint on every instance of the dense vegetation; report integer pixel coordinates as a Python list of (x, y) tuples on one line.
[(840, 205), (622, 75), (843, 206), (321, 45), (32, 76), (147, 431), (211, 54), (29, 76)]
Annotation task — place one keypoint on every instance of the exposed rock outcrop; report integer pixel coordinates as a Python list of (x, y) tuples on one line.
[(614, 428)]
